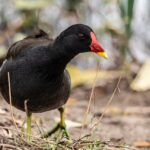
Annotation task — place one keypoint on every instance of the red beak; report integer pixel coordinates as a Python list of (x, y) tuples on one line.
[(96, 46)]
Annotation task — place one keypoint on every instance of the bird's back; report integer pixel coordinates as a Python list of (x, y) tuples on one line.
[(39, 38)]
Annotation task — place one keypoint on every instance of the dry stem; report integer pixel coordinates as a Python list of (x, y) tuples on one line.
[(10, 101)]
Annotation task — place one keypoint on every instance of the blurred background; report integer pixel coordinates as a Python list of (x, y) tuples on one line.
[(123, 28)]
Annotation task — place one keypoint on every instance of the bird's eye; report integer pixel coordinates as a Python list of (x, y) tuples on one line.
[(81, 35)]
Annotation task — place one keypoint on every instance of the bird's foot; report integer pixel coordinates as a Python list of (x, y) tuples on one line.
[(61, 130)]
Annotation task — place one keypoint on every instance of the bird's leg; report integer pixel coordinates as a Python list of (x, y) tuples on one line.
[(62, 121), (29, 115), (62, 117), (29, 132), (60, 126)]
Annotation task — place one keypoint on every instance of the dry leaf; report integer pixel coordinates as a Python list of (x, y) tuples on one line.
[(144, 144), (3, 111)]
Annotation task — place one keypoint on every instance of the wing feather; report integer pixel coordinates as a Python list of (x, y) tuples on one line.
[(38, 38)]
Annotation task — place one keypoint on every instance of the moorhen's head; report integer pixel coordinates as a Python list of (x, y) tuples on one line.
[(80, 38)]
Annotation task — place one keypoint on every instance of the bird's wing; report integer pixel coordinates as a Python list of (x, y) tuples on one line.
[(38, 38)]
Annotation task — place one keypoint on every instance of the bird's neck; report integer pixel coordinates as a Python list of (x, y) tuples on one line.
[(61, 57)]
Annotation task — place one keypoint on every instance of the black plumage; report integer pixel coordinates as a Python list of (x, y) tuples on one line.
[(36, 66)]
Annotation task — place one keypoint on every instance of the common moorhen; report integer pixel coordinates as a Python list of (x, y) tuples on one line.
[(36, 65)]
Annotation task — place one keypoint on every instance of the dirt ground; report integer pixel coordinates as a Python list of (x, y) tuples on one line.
[(126, 121)]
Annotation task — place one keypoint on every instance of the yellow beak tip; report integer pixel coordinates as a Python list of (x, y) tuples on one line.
[(103, 54)]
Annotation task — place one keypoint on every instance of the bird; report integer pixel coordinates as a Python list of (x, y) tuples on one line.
[(35, 68)]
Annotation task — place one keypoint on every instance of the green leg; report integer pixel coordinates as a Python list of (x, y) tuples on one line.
[(60, 126), (29, 132), (62, 121), (62, 117)]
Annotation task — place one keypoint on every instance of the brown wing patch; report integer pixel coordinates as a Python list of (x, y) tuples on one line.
[(38, 38), (38, 34)]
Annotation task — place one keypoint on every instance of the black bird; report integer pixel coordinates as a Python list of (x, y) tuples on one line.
[(36, 66)]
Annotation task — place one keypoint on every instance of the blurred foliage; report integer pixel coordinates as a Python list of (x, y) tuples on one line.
[(81, 77), (142, 80), (126, 7), (30, 10), (31, 4), (126, 12), (113, 21), (71, 5)]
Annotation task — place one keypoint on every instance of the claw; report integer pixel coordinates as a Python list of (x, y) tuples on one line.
[(60, 126)]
